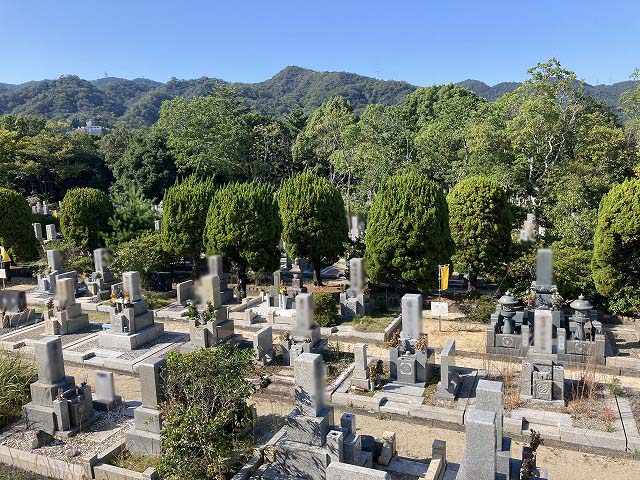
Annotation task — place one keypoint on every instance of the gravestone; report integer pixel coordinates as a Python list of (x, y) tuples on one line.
[(13, 301), (52, 234), (305, 329), (132, 286), (544, 267), (355, 299), (360, 376), (157, 225), (411, 362), (67, 316), (542, 332), (99, 284), (144, 438), (263, 345), (37, 230), (411, 316), (184, 292), (105, 398), (132, 323), (479, 460), (216, 267), (449, 378), (57, 404), (490, 397), (208, 290)]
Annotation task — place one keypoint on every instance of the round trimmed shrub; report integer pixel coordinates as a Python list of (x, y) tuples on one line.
[(84, 219), (16, 230)]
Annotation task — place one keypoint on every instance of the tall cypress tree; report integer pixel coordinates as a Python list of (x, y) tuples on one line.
[(314, 221), (244, 226), (184, 213), (480, 223), (408, 232)]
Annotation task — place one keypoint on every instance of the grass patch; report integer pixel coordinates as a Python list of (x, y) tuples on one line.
[(17, 372), (156, 301), (337, 360), (375, 321), (137, 463)]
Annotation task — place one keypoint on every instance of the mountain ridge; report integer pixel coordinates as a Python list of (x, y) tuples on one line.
[(136, 102)]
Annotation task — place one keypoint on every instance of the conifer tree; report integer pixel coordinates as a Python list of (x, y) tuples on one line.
[(408, 232), (314, 220), (16, 232), (84, 219)]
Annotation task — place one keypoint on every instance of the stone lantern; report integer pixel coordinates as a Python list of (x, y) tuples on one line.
[(581, 307), (508, 302)]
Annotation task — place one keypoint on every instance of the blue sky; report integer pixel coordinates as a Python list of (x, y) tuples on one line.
[(422, 42)]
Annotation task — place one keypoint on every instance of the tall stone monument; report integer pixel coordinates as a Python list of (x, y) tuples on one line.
[(57, 403), (312, 441)]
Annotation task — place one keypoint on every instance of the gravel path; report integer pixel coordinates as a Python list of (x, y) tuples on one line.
[(108, 429)]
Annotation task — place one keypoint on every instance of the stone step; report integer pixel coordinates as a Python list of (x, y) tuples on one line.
[(404, 389), (400, 398)]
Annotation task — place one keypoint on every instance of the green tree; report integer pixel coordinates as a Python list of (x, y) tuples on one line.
[(184, 213), (314, 220), (408, 232), (84, 219), (616, 253), (244, 226), (16, 232), (572, 271), (480, 224), (132, 216), (207, 135), (206, 413)]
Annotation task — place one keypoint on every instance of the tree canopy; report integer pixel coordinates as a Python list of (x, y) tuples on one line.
[(16, 231)]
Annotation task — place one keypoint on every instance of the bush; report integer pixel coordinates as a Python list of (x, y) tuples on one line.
[(478, 309), (521, 270), (131, 217), (206, 413), (16, 230), (16, 374), (143, 254), (84, 219), (325, 309), (572, 271)]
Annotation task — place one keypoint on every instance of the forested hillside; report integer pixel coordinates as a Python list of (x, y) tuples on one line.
[(114, 101)]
